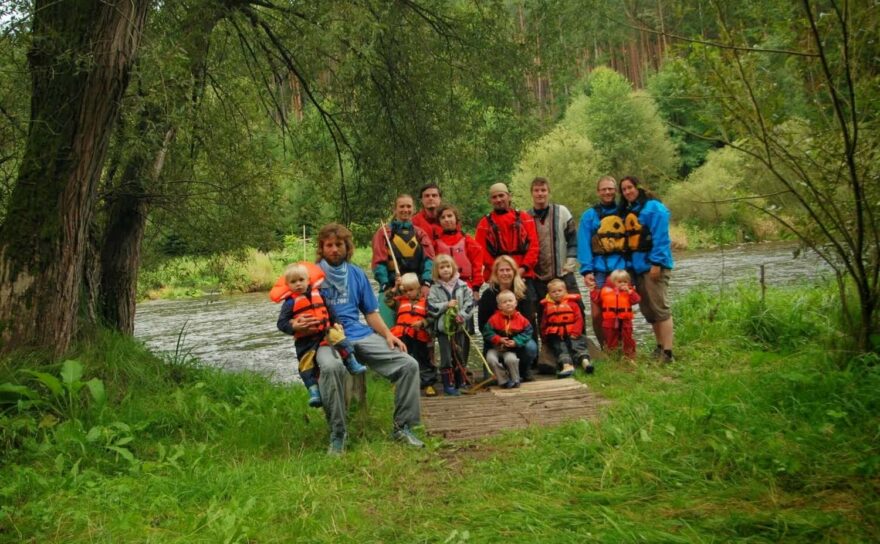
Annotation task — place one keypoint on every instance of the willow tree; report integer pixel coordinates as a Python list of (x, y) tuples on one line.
[(80, 56), (823, 154)]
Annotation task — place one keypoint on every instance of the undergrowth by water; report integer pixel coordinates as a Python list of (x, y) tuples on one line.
[(764, 430), (245, 272)]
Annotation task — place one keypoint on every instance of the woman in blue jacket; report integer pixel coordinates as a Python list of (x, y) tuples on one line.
[(646, 220)]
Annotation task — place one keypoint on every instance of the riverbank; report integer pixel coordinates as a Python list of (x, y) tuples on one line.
[(755, 433), (246, 272), (252, 270)]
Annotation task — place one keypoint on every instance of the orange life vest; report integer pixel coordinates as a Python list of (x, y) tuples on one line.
[(312, 305), (409, 313), (615, 304), (281, 291), (561, 318)]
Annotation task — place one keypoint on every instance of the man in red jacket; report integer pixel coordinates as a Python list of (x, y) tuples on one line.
[(427, 219), (508, 231)]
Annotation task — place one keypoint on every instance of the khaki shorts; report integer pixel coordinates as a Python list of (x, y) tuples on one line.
[(655, 298)]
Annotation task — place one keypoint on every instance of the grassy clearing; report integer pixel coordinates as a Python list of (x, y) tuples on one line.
[(740, 440)]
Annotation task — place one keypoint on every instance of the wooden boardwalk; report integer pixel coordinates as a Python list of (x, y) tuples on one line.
[(546, 401)]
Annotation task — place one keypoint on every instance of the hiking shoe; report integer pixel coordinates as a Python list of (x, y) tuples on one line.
[(353, 366), (667, 357), (451, 391), (567, 371), (430, 391), (404, 434), (587, 365), (337, 444), (314, 397)]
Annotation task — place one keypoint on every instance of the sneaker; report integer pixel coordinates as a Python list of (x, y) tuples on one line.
[(353, 366), (314, 397), (337, 444), (658, 352), (430, 391), (509, 384), (587, 365), (516, 383), (667, 357), (451, 391), (404, 434), (567, 371)]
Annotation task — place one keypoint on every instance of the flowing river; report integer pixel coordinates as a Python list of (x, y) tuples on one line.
[(238, 332)]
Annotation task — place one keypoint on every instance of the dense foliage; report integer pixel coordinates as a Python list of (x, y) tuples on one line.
[(246, 121)]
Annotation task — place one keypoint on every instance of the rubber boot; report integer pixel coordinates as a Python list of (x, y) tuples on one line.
[(314, 396), (353, 366), (449, 388)]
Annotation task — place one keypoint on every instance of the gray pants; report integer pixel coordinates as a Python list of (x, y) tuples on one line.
[(372, 351), (505, 364)]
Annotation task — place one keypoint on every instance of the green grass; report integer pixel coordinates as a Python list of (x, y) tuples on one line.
[(738, 441)]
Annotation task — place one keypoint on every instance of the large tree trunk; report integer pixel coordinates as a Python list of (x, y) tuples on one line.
[(124, 234), (80, 59), (129, 202)]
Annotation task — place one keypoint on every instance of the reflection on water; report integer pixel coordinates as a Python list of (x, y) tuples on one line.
[(238, 332)]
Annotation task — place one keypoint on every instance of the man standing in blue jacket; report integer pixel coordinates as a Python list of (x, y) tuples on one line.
[(601, 244)]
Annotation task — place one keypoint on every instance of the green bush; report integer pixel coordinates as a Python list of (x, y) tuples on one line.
[(568, 161), (624, 127)]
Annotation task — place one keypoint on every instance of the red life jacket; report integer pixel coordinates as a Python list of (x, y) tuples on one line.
[(312, 305), (561, 318), (495, 242), (508, 326), (458, 251), (615, 304), (409, 313)]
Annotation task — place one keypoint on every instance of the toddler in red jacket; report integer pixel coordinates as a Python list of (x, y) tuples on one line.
[(616, 299)]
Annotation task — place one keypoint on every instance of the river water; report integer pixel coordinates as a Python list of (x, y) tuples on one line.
[(238, 332)]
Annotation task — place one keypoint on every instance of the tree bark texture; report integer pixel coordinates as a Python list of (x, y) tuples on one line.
[(130, 201), (80, 59), (124, 236)]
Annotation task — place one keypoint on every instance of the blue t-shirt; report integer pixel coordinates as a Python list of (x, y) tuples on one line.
[(347, 308)]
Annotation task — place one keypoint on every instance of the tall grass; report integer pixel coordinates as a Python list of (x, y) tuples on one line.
[(245, 272), (743, 439)]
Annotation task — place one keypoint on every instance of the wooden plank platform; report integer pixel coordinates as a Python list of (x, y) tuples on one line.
[(546, 401)]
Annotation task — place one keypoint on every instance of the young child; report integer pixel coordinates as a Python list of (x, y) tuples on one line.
[(562, 329), (506, 331), (451, 305), (616, 299), (412, 326), (305, 299)]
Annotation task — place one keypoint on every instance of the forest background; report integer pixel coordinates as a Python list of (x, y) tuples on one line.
[(240, 125), (153, 144)]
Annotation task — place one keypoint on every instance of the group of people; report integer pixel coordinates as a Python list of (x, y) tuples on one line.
[(517, 275)]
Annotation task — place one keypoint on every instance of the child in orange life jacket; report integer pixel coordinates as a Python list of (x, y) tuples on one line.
[(305, 299), (616, 299), (451, 305), (413, 326), (507, 331), (562, 329)]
